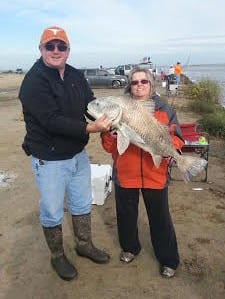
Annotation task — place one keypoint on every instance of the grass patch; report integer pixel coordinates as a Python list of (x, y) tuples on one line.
[(204, 99), (214, 123)]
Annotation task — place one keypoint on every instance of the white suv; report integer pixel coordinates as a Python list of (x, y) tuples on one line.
[(123, 69)]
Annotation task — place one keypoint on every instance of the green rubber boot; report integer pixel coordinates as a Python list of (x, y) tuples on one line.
[(59, 261), (84, 245)]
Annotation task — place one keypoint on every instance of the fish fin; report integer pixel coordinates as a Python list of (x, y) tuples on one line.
[(125, 135), (122, 143), (131, 134), (156, 160)]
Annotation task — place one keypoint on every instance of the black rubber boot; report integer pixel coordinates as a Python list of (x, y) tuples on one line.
[(59, 261), (84, 245)]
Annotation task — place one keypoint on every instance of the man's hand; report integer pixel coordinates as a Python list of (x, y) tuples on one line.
[(102, 124)]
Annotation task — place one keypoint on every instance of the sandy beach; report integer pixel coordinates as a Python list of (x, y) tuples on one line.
[(197, 209)]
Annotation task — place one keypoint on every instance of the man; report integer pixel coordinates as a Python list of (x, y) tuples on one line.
[(177, 72), (54, 97)]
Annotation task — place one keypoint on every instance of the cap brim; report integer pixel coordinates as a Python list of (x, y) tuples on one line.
[(56, 38)]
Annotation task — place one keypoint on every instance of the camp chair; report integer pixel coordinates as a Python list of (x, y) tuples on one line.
[(172, 86), (191, 135)]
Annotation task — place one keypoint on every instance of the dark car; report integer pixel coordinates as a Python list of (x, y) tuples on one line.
[(19, 71), (102, 78)]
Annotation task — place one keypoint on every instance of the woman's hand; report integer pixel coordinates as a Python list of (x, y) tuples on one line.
[(170, 161), (113, 133)]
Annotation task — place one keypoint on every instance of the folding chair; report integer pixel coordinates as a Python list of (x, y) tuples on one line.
[(191, 136)]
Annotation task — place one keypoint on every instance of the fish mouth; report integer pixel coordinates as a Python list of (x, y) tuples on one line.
[(92, 113), (116, 118)]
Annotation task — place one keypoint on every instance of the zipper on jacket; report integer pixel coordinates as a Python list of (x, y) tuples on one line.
[(141, 167)]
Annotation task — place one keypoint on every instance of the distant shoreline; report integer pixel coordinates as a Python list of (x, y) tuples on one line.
[(212, 64), (6, 71)]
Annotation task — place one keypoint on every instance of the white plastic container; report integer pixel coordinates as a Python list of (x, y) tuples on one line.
[(164, 84), (173, 87), (101, 181)]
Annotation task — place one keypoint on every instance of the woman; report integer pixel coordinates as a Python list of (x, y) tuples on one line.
[(134, 171)]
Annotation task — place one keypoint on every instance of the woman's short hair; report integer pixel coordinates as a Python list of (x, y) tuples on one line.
[(138, 70)]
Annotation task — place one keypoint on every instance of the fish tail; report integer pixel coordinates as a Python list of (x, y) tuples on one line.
[(190, 166)]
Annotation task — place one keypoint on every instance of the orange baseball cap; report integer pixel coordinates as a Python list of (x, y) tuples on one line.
[(54, 32)]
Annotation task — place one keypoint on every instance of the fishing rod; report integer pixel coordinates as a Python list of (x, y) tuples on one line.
[(187, 62)]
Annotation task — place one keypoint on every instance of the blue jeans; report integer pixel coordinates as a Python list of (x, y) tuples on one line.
[(178, 79), (55, 179)]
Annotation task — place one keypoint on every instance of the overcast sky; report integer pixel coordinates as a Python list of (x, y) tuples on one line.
[(113, 32)]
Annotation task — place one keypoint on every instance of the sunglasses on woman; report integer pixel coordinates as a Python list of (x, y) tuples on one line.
[(135, 82), (62, 47)]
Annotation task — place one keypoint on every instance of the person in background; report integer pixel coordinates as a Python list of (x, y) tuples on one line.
[(54, 98), (162, 75), (134, 172), (178, 72), (171, 78), (171, 70)]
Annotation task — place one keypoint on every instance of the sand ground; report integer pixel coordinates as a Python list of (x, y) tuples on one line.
[(25, 271)]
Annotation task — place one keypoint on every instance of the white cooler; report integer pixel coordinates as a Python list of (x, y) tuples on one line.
[(101, 181), (164, 84)]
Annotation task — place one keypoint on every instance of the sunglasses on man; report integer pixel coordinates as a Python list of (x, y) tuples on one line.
[(62, 47)]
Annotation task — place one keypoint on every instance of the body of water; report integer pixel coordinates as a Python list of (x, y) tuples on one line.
[(212, 71)]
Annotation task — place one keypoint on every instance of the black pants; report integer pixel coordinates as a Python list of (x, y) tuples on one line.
[(162, 231)]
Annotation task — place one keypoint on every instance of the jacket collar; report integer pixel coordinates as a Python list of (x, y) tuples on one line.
[(50, 70), (159, 103)]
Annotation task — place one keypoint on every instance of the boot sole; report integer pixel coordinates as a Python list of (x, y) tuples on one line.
[(92, 259), (63, 277), (66, 278)]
